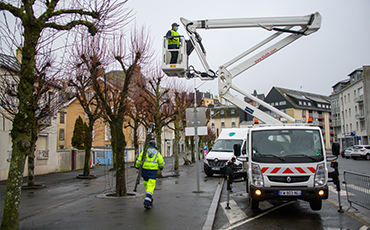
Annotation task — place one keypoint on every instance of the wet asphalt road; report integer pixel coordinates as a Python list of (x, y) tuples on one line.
[(69, 203)]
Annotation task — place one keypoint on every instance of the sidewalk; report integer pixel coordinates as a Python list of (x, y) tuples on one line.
[(69, 203)]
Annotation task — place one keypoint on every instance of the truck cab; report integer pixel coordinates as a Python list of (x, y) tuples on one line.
[(286, 163), (222, 151)]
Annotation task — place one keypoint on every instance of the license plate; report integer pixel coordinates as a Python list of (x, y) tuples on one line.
[(290, 193), (216, 168)]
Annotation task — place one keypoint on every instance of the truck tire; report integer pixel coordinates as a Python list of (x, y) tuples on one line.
[(316, 205), (208, 171), (254, 203)]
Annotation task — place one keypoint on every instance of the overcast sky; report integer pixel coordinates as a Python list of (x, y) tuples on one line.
[(312, 63)]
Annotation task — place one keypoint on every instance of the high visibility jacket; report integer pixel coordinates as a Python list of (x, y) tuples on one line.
[(153, 161), (173, 41)]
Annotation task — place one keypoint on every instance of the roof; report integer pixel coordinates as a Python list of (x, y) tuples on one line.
[(290, 94), (9, 62)]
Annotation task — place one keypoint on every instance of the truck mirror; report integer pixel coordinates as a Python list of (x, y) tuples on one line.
[(335, 148), (237, 150)]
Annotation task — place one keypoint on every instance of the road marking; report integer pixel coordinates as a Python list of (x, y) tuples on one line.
[(342, 192), (364, 227), (264, 205), (234, 214), (258, 216)]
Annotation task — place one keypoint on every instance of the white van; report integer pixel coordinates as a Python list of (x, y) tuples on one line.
[(222, 151)]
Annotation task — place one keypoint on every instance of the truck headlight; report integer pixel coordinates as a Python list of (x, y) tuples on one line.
[(257, 178), (320, 175)]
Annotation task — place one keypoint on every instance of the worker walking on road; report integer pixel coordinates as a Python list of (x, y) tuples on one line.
[(153, 161), (173, 42)]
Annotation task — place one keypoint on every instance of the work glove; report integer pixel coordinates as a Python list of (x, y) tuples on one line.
[(161, 168)]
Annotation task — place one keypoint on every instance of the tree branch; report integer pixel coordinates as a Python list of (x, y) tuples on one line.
[(16, 12), (91, 27)]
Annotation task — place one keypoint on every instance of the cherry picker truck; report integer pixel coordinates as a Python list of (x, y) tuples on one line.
[(283, 160)]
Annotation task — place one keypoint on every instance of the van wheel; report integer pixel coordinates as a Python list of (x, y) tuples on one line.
[(207, 171), (367, 157), (316, 205), (255, 203)]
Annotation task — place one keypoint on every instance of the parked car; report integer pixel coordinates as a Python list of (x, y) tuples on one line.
[(361, 151), (346, 153)]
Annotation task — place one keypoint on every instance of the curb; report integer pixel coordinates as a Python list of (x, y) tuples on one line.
[(208, 225)]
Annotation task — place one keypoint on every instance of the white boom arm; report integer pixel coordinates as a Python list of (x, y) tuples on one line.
[(308, 24)]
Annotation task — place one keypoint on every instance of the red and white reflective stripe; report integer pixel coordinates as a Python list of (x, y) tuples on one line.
[(288, 170)]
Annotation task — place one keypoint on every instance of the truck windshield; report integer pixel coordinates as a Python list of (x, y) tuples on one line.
[(290, 145), (226, 145)]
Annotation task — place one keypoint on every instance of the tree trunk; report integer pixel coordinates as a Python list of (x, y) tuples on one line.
[(119, 147), (136, 142), (23, 130), (186, 150), (88, 145), (192, 149), (158, 135), (176, 150)]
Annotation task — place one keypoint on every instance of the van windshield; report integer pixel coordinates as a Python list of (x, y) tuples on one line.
[(226, 145), (289, 145)]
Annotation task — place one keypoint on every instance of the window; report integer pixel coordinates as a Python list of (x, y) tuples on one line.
[(319, 105), (299, 103), (222, 122), (61, 134), (232, 111), (282, 103), (61, 118), (349, 97), (222, 112), (360, 91), (356, 125), (309, 104), (349, 112), (304, 103), (107, 134), (276, 103), (345, 99)]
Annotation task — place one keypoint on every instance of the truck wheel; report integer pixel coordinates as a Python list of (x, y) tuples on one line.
[(255, 203), (207, 171), (367, 157), (316, 205)]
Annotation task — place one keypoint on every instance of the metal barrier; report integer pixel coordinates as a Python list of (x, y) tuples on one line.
[(358, 189)]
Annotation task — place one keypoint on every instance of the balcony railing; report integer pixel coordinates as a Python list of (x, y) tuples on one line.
[(360, 114), (359, 98)]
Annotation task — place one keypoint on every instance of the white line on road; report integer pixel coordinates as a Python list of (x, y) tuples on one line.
[(258, 216), (234, 214)]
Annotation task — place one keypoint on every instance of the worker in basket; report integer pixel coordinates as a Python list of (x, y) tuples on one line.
[(173, 42)]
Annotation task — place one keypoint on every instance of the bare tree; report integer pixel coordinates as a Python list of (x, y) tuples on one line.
[(46, 95), (130, 54), (137, 113), (37, 22), (157, 98), (88, 62), (180, 99)]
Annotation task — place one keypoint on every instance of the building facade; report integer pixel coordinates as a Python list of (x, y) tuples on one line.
[(302, 106), (350, 108)]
